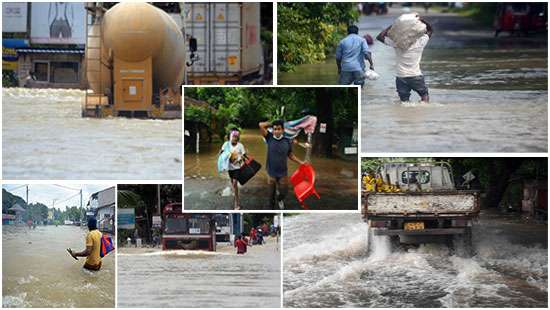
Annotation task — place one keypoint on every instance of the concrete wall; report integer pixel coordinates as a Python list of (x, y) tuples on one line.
[(26, 62)]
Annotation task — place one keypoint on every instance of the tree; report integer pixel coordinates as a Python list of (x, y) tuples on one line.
[(245, 107), (308, 32)]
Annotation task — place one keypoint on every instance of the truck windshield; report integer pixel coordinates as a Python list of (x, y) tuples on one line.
[(415, 177), (199, 226), (175, 225), (222, 220)]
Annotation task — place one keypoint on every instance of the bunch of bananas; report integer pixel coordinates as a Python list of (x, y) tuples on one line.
[(376, 184)]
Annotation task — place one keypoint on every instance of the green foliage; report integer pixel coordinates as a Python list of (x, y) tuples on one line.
[(482, 12), (9, 78), (308, 32), (9, 200), (198, 114), (246, 107)]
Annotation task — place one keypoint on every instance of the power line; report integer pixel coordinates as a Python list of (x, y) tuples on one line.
[(61, 201), (67, 187), (17, 187)]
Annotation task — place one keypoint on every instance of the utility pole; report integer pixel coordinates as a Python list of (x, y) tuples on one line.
[(158, 199), (27, 195), (81, 198)]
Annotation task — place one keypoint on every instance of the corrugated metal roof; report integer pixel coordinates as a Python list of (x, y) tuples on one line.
[(49, 51)]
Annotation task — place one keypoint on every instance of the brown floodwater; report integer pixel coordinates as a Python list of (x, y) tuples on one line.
[(200, 279), (38, 272), (336, 179)]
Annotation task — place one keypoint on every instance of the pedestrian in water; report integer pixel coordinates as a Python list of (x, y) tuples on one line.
[(279, 149), (409, 77), (241, 244), (93, 244), (253, 235), (237, 155), (350, 58)]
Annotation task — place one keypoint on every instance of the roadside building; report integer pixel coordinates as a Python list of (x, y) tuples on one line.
[(200, 124), (18, 212), (43, 44), (102, 205), (8, 219)]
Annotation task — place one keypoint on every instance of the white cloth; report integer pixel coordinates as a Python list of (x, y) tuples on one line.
[(408, 61), (239, 151)]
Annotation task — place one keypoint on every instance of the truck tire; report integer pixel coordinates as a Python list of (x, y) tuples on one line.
[(462, 244), (370, 240), (395, 243)]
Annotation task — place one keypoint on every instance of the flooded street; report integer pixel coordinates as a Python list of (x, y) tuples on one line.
[(38, 272), (326, 265), (486, 94), (45, 137), (183, 278), (336, 180)]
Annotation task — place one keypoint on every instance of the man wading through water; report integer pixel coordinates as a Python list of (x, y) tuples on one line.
[(279, 148), (93, 244), (350, 58), (409, 77)]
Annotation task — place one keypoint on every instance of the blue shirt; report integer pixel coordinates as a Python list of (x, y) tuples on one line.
[(351, 52), (277, 154)]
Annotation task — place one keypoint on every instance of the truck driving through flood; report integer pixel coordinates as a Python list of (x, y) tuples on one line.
[(187, 231), (415, 203)]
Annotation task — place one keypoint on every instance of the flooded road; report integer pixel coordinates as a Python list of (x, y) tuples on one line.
[(487, 95), (326, 265), (38, 272), (45, 137), (336, 180), (191, 279)]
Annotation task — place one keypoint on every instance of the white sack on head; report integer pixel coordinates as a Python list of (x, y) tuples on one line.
[(406, 29)]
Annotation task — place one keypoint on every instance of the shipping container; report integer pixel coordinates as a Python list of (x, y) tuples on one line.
[(228, 41)]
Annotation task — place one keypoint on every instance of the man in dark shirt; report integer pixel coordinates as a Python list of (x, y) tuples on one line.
[(279, 148)]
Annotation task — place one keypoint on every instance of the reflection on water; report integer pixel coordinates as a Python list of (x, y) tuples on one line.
[(326, 265), (38, 272), (336, 180), (45, 137), (220, 279)]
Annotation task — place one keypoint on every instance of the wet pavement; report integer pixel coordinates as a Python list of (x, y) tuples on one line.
[(204, 188), (191, 279), (326, 265), (37, 271), (45, 137)]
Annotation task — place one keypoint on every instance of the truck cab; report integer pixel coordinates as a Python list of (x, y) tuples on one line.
[(415, 203), (187, 231)]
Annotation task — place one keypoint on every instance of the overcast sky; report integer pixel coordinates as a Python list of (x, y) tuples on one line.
[(61, 193)]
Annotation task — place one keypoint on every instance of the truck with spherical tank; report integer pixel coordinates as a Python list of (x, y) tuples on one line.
[(135, 61)]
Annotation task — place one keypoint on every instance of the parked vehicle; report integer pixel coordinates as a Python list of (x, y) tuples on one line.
[(521, 18)]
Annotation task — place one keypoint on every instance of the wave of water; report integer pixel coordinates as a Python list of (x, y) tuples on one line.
[(331, 269)]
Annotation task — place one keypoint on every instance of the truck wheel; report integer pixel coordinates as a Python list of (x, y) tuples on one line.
[(462, 244), (370, 240), (395, 243)]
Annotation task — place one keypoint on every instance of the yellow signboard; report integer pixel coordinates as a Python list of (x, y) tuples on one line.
[(9, 65)]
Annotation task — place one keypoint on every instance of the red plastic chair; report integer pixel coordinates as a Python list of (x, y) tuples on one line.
[(303, 180)]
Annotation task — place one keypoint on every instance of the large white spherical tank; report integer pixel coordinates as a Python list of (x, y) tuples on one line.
[(134, 31)]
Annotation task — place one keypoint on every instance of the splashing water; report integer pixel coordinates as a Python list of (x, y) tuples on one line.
[(326, 265)]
